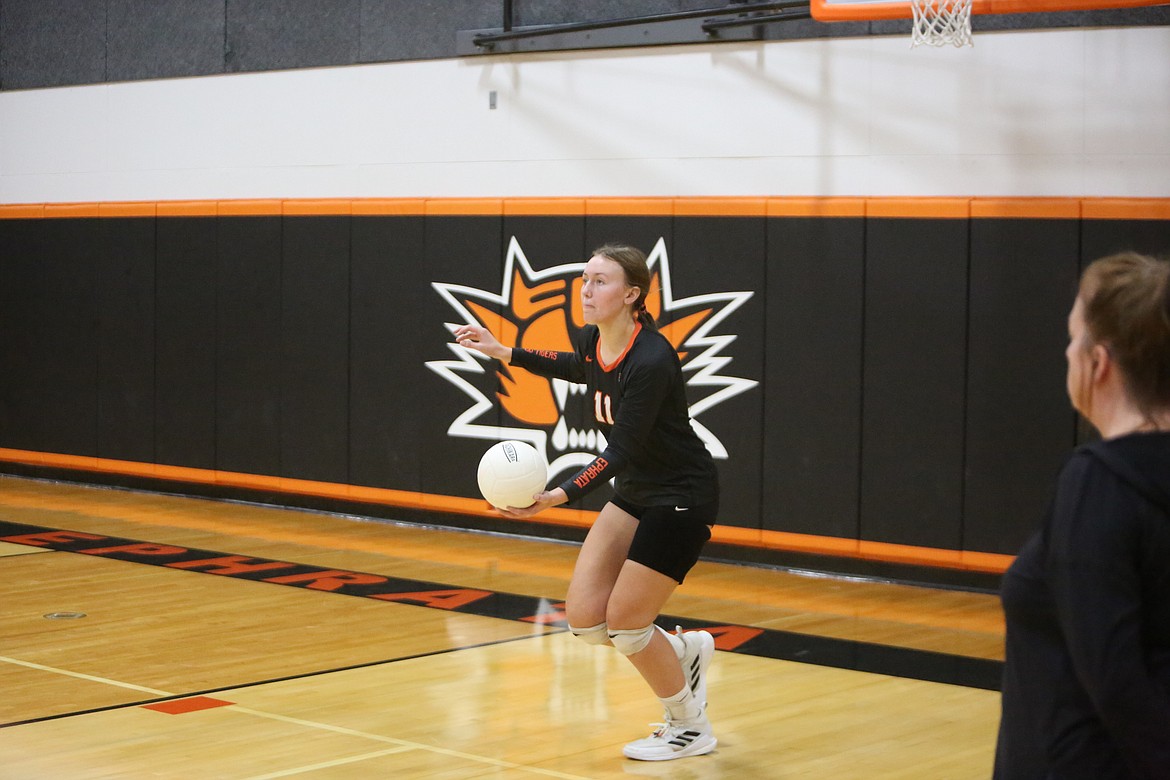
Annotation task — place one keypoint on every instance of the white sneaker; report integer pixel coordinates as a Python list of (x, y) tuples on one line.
[(674, 739), (700, 649)]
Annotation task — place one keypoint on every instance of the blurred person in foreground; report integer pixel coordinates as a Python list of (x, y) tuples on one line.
[(1086, 686)]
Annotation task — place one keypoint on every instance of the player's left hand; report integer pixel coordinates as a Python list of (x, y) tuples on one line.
[(542, 501)]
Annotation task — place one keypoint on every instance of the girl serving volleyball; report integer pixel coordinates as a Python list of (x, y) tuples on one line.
[(666, 493)]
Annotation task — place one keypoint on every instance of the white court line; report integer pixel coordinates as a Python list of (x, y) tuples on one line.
[(404, 744), (81, 676), (328, 764)]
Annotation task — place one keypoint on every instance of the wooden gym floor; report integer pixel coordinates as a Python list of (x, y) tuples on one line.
[(224, 640)]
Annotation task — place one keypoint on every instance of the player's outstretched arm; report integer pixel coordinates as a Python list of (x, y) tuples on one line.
[(481, 340)]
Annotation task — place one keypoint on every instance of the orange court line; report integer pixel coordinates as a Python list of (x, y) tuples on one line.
[(183, 706), (578, 518)]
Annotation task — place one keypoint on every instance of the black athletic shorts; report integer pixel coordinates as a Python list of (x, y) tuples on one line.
[(669, 539)]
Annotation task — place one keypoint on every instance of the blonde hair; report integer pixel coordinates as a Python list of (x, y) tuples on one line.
[(1126, 300)]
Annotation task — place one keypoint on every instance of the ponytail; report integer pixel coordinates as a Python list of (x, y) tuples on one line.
[(643, 315)]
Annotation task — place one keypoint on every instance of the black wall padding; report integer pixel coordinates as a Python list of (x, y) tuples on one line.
[(1019, 425), (185, 341), (1101, 237), (314, 354), (723, 254), (909, 372), (20, 342), (469, 251), (126, 340), (812, 403), (914, 376), (388, 428), (59, 317), (248, 345)]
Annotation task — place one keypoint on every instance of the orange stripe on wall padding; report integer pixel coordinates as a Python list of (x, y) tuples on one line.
[(545, 207), (922, 208), (816, 207), (1126, 208), (577, 518), (1026, 208), (187, 208)]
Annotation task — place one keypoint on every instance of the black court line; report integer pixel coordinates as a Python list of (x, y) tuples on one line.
[(258, 683), (853, 655)]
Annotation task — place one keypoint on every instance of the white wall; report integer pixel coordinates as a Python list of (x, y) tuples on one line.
[(1059, 113)]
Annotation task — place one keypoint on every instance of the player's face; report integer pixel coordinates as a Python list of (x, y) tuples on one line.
[(605, 295)]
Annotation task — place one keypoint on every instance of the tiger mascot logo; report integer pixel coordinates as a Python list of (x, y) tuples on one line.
[(542, 310)]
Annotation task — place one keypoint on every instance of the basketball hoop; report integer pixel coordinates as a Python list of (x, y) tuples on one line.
[(939, 22)]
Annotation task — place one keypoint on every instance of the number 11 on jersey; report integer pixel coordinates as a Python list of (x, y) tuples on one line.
[(603, 407)]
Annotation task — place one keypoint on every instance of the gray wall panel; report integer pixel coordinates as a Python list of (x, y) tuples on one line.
[(567, 11), (149, 39), (282, 34), (412, 30), (49, 43)]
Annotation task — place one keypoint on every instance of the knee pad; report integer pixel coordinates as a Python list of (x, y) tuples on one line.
[(594, 635), (631, 640)]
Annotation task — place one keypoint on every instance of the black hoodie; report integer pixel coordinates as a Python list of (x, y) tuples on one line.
[(1086, 687)]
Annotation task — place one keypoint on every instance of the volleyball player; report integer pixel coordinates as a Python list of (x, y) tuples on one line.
[(666, 493)]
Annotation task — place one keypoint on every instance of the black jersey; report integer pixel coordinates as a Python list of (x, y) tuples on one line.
[(1086, 685), (639, 403)]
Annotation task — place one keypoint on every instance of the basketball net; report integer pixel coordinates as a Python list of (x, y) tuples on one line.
[(939, 22)]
